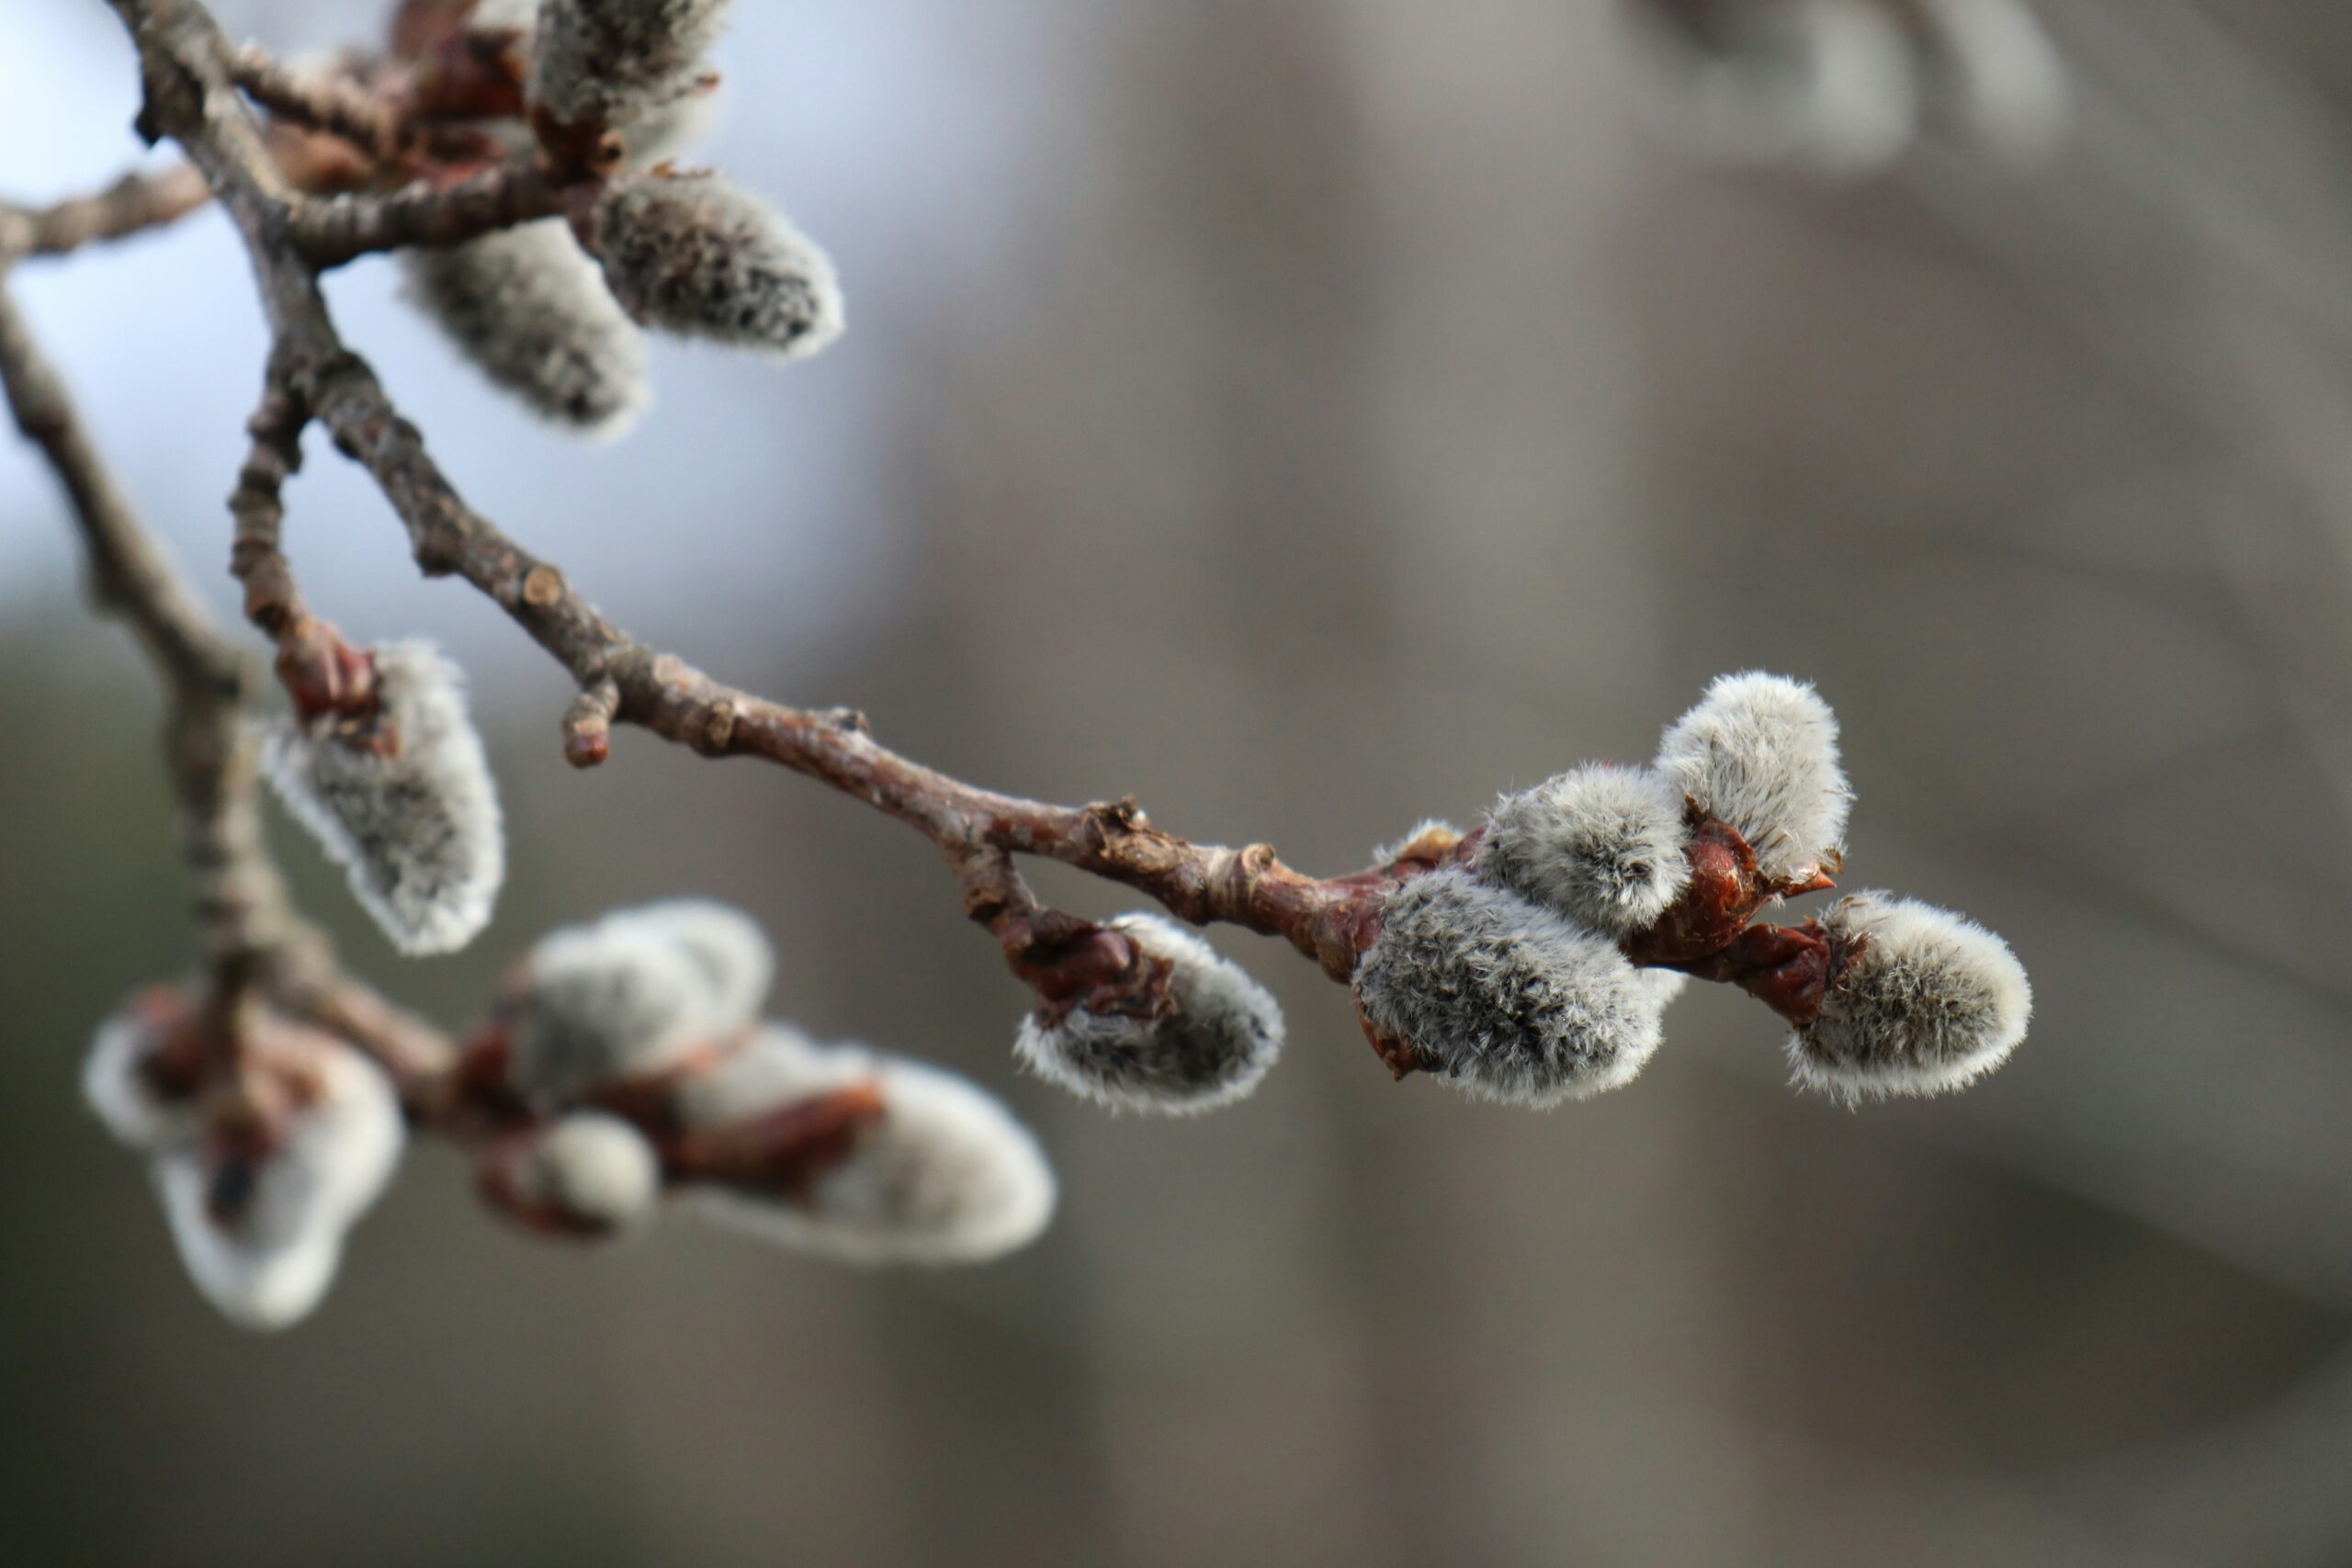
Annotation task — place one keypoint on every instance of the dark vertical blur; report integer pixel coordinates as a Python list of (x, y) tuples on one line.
[(1369, 415)]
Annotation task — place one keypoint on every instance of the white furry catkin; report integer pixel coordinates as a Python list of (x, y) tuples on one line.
[(1602, 846), (595, 1171), (116, 1088), (633, 995), (1760, 752), (610, 62), (1508, 1000), (1220, 1035), (1925, 1002), (605, 1004), (265, 1259), (947, 1176), (534, 315), (415, 823), (695, 255), (725, 945)]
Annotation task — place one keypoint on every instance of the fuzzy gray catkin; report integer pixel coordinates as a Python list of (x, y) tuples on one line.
[(1218, 1036), (1921, 1001), (695, 255), (632, 995), (1601, 845), (610, 62), (534, 315), (725, 945), (945, 1175), (1760, 752), (595, 1171), (267, 1261), (1507, 1000), (416, 823)]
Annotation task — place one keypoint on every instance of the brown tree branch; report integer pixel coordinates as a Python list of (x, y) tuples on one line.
[(334, 104), (192, 77), (253, 938), (273, 602), (331, 232), (190, 83), (133, 205)]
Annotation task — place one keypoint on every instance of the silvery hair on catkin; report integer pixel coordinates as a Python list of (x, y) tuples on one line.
[(1217, 1037), (1602, 846), (610, 61), (1507, 1000), (946, 1175), (692, 254), (534, 315), (1920, 1001), (1760, 752), (414, 823)]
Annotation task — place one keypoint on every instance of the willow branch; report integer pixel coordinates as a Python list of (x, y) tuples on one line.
[(191, 97), (133, 205), (331, 232), (253, 938)]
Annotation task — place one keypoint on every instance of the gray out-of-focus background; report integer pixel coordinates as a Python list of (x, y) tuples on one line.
[(1310, 415)]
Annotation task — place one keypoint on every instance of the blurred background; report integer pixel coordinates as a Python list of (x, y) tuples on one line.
[(1312, 415)]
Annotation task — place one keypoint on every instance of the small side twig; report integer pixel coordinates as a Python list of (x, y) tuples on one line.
[(133, 205)]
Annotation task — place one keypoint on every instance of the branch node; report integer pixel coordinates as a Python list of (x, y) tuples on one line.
[(588, 725), (542, 587), (713, 732)]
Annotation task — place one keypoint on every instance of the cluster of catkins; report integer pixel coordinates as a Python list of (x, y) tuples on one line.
[(634, 1053), (1846, 86), (549, 310), (658, 1008), (1501, 962), (262, 1163)]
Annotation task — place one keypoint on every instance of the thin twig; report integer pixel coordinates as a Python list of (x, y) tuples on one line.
[(133, 205), (252, 935), (190, 99)]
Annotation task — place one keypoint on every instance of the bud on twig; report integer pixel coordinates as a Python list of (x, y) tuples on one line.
[(1201, 1039), (587, 1175), (1919, 1001), (401, 796), (1602, 846), (608, 62), (261, 1168), (695, 255), (1760, 752), (630, 997), (944, 1175), (534, 315), (1508, 1000)]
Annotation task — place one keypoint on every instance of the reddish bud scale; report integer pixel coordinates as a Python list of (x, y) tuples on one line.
[(1066, 961), (461, 75), (650, 1101), (483, 1088), (592, 149), (1788, 968), (781, 1153), (588, 746), (323, 674), (1401, 1060)]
